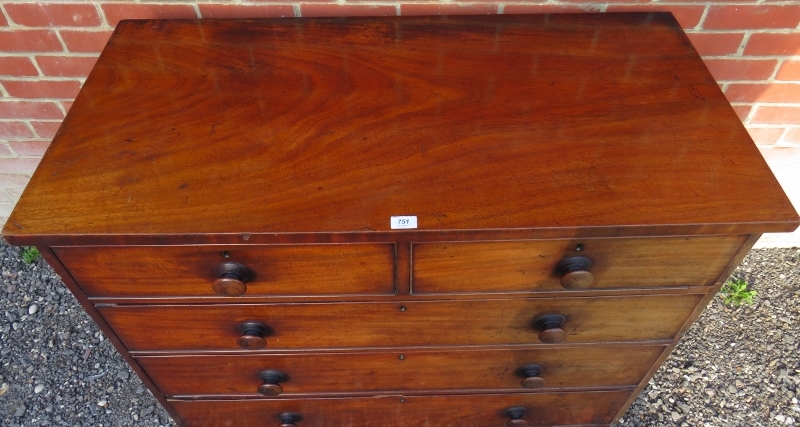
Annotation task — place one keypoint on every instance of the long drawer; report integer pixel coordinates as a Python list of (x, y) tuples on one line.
[(403, 323), (481, 410), (453, 267), (464, 370), (271, 270)]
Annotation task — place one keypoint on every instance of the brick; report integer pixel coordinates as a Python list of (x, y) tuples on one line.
[(741, 17), (715, 44), (13, 195), (3, 21), (117, 12), (29, 110), (29, 148), (237, 11), (46, 129), (763, 92), (345, 10), (5, 151), (741, 69), (715, 1), (14, 181), (742, 111), (781, 156), (790, 70), (66, 66), (42, 89), (256, 2), (773, 44), (29, 41), (776, 115), (24, 165), (67, 105), (448, 9), (53, 15), (687, 16), (792, 136), (5, 211), (512, 9), (14, 130), (17, 66), (85, 41), (583, 5), (765, 136)]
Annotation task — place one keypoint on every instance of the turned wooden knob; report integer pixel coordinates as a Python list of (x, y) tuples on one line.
[(232, 278), (289, 419), (575, 272), (551, 329), (531, 375), (253, 334), (271, 386), (515, 414)]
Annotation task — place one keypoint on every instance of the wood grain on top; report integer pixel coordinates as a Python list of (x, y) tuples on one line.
[(336, 124)]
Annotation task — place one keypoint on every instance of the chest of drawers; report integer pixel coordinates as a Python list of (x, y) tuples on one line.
[(426, 221)]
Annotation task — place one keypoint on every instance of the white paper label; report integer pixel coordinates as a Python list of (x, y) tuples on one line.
[(400, 222)]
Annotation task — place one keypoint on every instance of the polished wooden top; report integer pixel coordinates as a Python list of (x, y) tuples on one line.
[(584, 124)]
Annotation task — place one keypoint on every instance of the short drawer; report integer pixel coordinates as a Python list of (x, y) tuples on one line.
[(509, 369), (404, 323), (481, 410), (193, 271), (524, 266)]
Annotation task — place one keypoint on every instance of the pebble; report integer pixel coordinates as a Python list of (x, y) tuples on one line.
[(33, 309), (20, 411), (38, 389)]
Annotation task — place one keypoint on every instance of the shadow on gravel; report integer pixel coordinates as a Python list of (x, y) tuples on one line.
[(735, 366)]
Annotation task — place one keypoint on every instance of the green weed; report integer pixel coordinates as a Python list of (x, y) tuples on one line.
[(30, 254), (734, 292)]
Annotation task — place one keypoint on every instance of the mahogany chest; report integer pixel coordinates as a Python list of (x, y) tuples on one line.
[(407, 221)]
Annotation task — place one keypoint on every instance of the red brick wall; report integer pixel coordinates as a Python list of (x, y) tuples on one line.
[(47, 48)]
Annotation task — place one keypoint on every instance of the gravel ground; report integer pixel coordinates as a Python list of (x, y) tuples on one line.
[(735, 367)]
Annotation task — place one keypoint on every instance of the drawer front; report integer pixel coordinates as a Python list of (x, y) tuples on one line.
[(451, 267), (397, 372), (485, 410), (405, 323), (160, 271)]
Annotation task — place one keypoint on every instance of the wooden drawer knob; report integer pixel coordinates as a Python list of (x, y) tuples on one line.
[(232, 278), (253, 334), (530, 375), (575, 272), (289, 419), (551, 329), (271, 386), (515, 414)]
